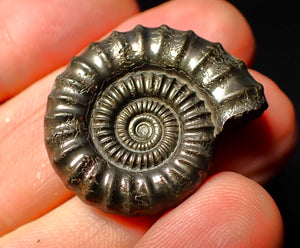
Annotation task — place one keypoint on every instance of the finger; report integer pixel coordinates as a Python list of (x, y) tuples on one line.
[(229, 210), (22, 127), (261, 148), (26, 177), (39, 36), (74, 224)]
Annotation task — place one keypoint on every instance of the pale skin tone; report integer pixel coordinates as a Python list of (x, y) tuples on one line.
[(231, 209)]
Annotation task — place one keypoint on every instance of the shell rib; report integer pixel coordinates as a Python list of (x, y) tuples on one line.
[(131, 124)]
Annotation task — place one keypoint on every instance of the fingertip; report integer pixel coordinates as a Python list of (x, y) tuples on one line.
[(250, 215), (281, 112), (261, 148), (38, 37), (280, 119), (229, 210)]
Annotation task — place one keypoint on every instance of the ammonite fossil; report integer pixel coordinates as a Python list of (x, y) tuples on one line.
[(131, 124)]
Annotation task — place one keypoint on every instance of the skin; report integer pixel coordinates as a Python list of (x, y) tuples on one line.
[(230, 209)]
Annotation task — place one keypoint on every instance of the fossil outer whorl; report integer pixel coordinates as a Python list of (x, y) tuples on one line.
[(131, 123)]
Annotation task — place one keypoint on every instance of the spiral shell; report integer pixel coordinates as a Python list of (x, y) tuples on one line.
[(131, 124)]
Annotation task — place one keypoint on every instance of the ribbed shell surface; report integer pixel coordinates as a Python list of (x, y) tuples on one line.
[(131, 124)]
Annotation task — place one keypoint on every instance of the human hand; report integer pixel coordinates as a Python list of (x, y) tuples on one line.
[(229, 210)]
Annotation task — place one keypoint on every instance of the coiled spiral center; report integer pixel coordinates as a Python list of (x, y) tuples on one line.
[(144, 119), (148, 128), (142, 132)]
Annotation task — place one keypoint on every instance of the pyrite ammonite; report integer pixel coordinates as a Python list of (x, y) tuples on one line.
[(131, 124)]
